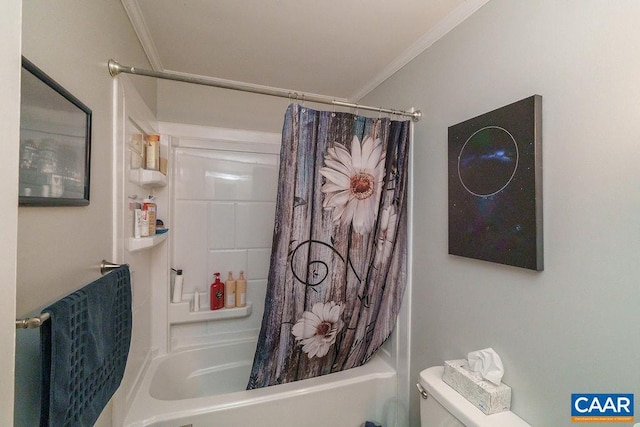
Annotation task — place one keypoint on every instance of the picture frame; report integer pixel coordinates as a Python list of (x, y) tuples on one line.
[(55, 143), (495, 186)]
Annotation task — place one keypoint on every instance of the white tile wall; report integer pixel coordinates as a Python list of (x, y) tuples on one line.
[(265, 181), (225, 175), (222, 225), (258, 263), (190, 243), (254, 224), (227, 260), (224, 212)]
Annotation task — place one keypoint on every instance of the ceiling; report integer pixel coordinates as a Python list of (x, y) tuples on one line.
[(341, 49)]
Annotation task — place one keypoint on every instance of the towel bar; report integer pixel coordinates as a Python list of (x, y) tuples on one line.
[(32, 322), (107, 266), (36, 322)]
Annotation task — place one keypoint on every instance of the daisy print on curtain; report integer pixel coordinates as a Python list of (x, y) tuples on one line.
[(338, 263), (354, 182), (317, 329)]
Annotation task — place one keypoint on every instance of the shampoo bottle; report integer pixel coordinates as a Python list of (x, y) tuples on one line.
[(241, 290), (230, 292), (177, 287), (152, 153), (217, 293), (149, 206)]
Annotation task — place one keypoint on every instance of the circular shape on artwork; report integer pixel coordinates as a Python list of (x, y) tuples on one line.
[(488, 161)]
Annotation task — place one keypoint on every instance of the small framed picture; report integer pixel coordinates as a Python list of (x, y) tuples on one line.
[(55, 143)]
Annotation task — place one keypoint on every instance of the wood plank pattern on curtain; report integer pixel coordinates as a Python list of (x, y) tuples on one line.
[(339, 255)]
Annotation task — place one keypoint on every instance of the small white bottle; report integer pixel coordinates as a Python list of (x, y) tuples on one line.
[(138, 225), (177, 287), (196, 301), (143, 223)]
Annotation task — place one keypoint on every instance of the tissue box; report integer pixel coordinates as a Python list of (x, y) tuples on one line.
[(485, 395)]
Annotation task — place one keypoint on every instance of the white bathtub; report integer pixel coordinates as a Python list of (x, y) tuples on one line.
[(205, 387)]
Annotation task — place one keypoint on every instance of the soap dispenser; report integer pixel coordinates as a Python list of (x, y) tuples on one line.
[(217, 293)]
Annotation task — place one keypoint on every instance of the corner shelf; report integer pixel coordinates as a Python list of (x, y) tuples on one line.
[(140, 243), (147, 178), (179, 313)]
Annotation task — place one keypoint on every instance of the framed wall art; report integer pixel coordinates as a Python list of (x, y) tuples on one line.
[(495, 186), (55, 143)]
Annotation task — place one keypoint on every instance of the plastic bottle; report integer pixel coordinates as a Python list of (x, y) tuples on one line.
[(139, 227), (196, 301), (230, 292), (216, 295), (143, 222), (177, 287), (241, 290), (149, 206), (152, 153)]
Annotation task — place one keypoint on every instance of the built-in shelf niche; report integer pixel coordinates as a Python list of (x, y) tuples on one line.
[(180, 313), (141, 243), (147, 178)]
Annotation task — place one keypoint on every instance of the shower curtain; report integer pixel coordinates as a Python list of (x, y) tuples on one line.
[(339, 255)]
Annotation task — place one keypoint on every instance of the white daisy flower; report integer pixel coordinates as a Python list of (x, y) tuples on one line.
[(354, 182), (316, 330)]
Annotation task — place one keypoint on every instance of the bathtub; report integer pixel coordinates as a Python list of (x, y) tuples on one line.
[(205, 387)]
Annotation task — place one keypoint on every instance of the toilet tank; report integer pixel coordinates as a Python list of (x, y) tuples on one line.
[(445, 407), (433, 414)]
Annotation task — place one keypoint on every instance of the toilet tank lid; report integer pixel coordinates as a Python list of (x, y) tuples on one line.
[(461, 408)]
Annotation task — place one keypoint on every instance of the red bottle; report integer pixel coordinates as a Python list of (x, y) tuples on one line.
[(217, 293)]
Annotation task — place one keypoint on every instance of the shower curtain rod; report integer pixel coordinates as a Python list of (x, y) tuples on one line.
[(116, 68)]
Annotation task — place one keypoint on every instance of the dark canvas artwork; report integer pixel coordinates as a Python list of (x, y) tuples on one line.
[(495, 186)]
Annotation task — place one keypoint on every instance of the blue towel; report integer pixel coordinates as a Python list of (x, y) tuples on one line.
[(84, 350)]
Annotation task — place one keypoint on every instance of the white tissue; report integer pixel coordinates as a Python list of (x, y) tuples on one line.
[(487, 364)]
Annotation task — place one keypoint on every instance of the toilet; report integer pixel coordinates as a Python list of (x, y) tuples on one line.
[(442, 406)]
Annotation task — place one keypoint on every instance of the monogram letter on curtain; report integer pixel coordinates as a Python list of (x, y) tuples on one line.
[(338, 262)]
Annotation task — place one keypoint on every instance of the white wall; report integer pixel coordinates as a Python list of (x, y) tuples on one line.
[(60, 248), (10, 13), (72, 41), (209, 106), (574, 327)]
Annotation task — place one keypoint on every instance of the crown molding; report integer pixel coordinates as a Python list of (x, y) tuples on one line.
[(452, 20), (142, 31)]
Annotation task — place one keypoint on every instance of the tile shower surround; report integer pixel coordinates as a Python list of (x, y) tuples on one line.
[(224, 207)]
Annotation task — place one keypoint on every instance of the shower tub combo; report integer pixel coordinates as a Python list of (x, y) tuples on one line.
[(205, 386)]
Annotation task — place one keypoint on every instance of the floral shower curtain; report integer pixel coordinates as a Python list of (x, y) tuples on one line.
[(339, 255)]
